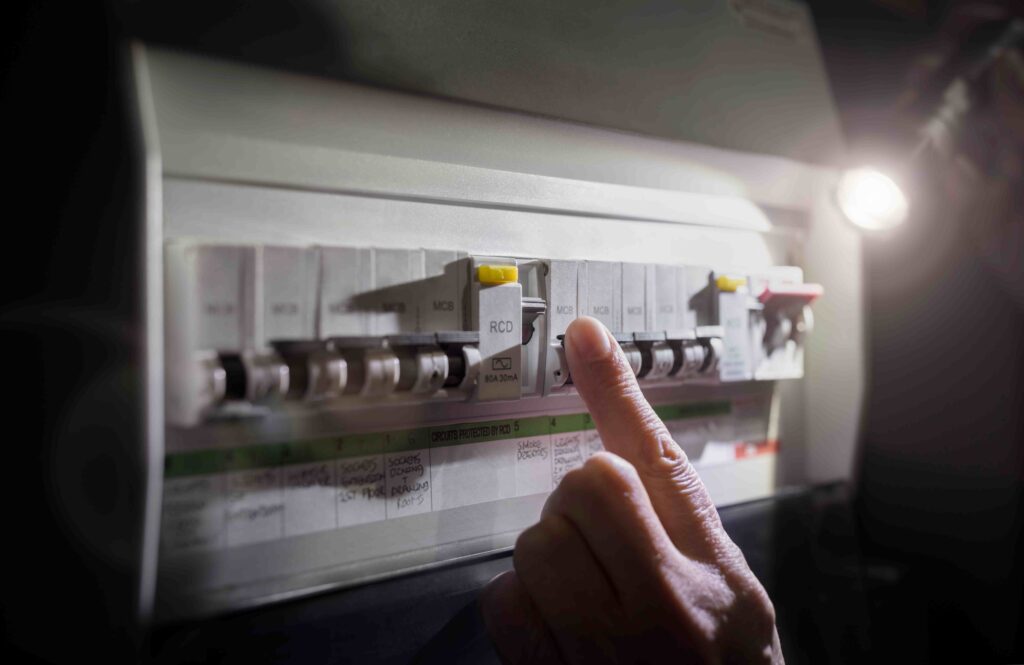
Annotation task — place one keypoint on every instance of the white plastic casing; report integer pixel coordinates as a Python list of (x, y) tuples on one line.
[(286, 295), (634, 297), (345, 272), (208, 295), (496, 312), (601, 292), (563, 288), (441, 292)]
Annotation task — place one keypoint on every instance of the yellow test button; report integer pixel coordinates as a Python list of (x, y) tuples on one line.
[(497, 274), (729, 284)]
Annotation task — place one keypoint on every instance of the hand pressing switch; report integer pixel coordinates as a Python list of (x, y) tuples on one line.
[(629, 562)]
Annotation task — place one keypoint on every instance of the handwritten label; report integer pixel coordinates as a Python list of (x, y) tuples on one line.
[(255, 510), (567, 454), (362, 490), (217, 498), (408, 483), (309, 493), (533, 465)]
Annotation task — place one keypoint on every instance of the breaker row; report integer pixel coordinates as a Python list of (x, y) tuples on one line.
[(254, 328)]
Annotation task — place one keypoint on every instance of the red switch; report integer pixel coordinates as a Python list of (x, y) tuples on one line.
[(791, 293)]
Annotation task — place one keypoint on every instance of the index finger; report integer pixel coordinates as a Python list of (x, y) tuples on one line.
[(630, 428)]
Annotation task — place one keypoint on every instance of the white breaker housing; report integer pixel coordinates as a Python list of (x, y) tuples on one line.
[(253, 328)]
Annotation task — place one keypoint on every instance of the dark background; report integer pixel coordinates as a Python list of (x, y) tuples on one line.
[(918, 561)]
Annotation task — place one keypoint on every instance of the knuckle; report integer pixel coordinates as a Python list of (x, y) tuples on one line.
[(729, 616), (731, 560), (768, 610), (755, 599), (665, 458), (756, 610), (751, 606), (669, 467)]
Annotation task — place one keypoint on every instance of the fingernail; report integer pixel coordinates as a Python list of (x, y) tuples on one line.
[(588, 338)]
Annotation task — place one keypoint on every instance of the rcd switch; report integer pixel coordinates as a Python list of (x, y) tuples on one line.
[(496, 310), (731, 302)]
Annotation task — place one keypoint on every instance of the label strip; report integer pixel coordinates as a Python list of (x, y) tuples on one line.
[(225, 498)]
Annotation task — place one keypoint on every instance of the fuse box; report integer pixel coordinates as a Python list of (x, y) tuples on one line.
[(356, 342)]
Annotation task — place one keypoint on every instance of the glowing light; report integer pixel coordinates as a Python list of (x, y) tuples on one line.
[(871, 199)]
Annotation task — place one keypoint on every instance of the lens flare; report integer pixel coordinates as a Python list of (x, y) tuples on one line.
[(871, 199)]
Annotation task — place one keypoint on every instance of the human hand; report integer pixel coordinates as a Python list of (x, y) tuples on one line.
[(629, 562)]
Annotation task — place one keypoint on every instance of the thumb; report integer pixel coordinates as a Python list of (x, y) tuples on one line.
[(629, 428)]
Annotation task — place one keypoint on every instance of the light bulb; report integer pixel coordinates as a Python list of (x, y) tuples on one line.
[(870, 199)]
